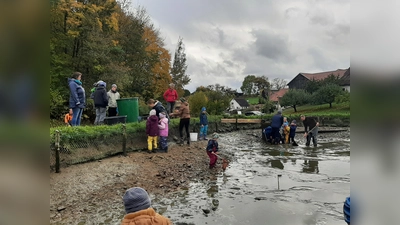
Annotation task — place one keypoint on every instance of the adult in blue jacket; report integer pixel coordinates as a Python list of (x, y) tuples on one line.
[(276, 124), (77, 99)]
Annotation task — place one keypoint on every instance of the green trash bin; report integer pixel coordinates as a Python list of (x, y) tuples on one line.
[(129, 107)]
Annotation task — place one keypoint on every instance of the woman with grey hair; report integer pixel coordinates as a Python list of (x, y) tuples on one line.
[(113, 95), (170, 96)]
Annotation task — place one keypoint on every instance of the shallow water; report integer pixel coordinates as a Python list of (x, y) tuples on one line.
[(313, 184)]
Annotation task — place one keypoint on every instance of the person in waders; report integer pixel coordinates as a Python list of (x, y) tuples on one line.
[(212, 150), (310, 129)]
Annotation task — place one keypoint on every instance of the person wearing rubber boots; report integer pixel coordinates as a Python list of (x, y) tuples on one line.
[(212, 150), (310, 129)]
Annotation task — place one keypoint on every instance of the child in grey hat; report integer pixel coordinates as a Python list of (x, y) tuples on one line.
[(138, 209)]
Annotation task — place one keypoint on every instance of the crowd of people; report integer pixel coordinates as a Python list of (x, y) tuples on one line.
[(102, 99), (281, 132)]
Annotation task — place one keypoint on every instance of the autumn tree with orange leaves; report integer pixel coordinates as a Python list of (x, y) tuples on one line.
[(105, 40)]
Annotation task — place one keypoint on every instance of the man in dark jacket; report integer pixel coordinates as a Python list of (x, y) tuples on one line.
[(100, 102), (310, 129), (156, 105), (276, 124)]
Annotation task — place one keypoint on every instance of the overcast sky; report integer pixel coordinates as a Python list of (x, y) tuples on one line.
[(227, 40)]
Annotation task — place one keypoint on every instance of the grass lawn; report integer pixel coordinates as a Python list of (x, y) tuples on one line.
[(252, 100), (340, 110)]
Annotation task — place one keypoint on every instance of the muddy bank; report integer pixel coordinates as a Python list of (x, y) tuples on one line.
[(313, 184), (95, 188)]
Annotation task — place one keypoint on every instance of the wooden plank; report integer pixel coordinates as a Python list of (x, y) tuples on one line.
[(241, 120), (249, 121), (228, 120)]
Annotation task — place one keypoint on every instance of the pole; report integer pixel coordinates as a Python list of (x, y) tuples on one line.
[(124, 139), (58, 151), (279, 175)]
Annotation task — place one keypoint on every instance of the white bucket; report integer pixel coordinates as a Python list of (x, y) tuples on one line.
[(193, 136)]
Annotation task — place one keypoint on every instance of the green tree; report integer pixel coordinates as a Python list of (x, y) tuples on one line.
[(295, 97), (313, 86), (248, 85), (268, 107), (327, 94), (178, 71), (253, 85), (197, 101), (343, 97)]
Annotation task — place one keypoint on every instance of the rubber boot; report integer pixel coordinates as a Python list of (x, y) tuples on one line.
[(205, 137)]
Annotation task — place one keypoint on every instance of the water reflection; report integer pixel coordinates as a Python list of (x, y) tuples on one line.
[(310, 166), (276, 163)]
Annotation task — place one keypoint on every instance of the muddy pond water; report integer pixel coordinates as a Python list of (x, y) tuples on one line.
[(313, 183)]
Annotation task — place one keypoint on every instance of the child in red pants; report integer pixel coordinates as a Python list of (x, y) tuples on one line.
[(212, 150)]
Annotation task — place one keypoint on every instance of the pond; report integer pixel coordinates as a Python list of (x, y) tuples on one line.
[(313, 184)]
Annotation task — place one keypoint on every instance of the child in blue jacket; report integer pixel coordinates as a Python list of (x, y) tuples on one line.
[(203, 124)]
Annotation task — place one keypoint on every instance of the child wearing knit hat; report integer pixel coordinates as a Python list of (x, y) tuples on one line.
[(163, 126), (138, 209), (212, 150), (152, 131)]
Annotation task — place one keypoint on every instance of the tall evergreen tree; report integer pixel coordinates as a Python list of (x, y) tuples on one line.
[(178, 71)]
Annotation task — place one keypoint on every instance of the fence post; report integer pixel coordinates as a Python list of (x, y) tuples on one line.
[(124, 139), (58, 151), (216, 126), (236, 123)]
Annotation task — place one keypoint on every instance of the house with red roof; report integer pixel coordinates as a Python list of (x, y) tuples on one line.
[(276, 95), (301, 80)]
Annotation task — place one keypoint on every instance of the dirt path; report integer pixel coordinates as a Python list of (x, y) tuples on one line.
[(80, 191)]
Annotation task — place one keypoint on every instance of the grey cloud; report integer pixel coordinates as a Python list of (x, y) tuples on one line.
[(271, 45), (322, 18), (320, 61)]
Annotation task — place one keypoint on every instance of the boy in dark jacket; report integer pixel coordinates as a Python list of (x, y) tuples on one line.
[(152, 131), (293, 127), (212, 150), (268, 134), (100, 102), (203, 124)]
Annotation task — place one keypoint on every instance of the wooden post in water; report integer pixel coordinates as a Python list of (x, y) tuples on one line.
[(236, 123), (279, 175), (124, 139), (58, 151)]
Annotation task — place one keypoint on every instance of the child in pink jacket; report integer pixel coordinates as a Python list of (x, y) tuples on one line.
[(163, 126)]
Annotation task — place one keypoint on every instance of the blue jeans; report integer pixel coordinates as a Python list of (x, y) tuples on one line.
[(203, 131), (170, 107), (76, 118)]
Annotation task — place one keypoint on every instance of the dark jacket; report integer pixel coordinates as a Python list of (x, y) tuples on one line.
[(159, 108), (77, 94), (268, 131), (277, 121), (292, 130), (152, 126), (212, 146), (203, 119), (309, 123), (100, 97)]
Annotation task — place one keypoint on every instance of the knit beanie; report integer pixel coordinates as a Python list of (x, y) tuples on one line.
[(294, 121), (162, 115), (136, 199), (152, 112), (203, 109), (279, 111), (215, 135)]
